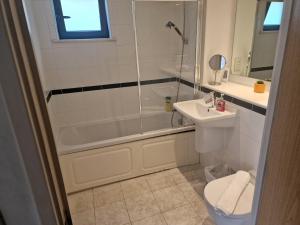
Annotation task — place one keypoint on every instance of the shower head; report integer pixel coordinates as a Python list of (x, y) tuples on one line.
[(170, 24)]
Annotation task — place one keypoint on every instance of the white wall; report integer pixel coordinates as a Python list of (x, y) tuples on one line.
[(73, 64), (32, 26), (68, 64), (81, 63), (244, 140), (219, 27)]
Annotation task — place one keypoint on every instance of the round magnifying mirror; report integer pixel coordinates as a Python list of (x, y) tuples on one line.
[(216, 63)]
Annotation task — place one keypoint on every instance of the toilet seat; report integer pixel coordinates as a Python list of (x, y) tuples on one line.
[(215, 189)]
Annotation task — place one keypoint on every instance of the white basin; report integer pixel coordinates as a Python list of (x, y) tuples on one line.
[(203, 115)]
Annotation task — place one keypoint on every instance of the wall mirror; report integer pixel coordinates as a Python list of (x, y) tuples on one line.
[(257, 26)]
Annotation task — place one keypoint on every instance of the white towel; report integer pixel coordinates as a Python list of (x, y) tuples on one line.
[(232, 193)]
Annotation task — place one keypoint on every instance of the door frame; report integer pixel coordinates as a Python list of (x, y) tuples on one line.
[(27, 81), (276, 199)]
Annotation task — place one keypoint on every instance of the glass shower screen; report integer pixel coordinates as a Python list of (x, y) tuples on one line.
[(166, 47)]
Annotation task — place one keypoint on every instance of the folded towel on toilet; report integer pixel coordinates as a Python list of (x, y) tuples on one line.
[(229, 199)]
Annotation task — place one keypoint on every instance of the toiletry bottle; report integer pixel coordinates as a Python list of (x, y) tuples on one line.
[(168, 104), (220, 104)]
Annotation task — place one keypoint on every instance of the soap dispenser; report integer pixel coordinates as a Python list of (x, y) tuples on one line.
[(220, 104)]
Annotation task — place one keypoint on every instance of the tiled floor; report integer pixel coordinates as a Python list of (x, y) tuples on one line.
[(171, 197)]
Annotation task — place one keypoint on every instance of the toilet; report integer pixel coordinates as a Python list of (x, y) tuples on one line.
[(242, 212)]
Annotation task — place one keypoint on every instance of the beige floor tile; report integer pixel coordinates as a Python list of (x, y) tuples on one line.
[(189, 192), (200, 208), (153, 220), (176, 175), (190, 175), (199, 174), (84, 218), (135, 187), (199, 187), (180, 178), (81, 201), (159, 181), (169, 198), (208, 221), (107, 194), (112, 214), (190, 167), (141, 206), (184, 187), (184, 215)]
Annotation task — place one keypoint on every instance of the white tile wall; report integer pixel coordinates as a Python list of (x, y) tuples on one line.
[(85, 63), (73, 64), (244, 140), (36, 43), (92, 106), (80, 63)]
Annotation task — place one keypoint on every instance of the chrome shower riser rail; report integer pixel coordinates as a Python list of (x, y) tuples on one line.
[(137, 64)]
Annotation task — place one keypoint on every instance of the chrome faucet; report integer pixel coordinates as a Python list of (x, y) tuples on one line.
[(210, 98)]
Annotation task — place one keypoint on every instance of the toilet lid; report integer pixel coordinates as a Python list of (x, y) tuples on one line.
[(214, 189)]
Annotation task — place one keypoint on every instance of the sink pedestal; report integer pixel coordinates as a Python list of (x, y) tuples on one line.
[(209, 139)]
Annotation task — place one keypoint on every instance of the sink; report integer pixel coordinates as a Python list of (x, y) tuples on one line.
[(211, 125), (204, 116)]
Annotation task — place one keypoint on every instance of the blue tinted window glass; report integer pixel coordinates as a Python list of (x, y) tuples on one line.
[(84, 15), (274, 14), (81, 19)]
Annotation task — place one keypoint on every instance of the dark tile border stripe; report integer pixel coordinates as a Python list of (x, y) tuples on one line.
[(49, 96), (241, 103), (238, 102), (157, 81), (108, 86), (228, 98), (257, 69), (259, 110), (187, 83)]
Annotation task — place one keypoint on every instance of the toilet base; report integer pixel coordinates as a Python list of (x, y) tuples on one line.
[(222, 219)]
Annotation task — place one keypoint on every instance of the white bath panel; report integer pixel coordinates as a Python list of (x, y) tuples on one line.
[(95, 167), (158, 154)]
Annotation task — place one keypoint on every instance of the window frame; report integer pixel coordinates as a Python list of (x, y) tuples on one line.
[(64, 34), (270, 27)]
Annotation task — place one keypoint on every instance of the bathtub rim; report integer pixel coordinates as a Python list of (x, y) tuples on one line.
[(69, 149)]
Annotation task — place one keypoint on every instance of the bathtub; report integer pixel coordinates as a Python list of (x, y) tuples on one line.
[(99, 153), (109, 132)]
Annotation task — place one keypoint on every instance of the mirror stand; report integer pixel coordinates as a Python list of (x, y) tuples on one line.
[(215, 81), (216, 63)]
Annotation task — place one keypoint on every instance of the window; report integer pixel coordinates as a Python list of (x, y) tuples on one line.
[(81, 19), (273, 16)]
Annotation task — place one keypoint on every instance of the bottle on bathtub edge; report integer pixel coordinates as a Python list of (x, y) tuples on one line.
[(168, 104)]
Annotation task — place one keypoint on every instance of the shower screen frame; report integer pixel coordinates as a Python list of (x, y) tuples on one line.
[(198, 49)]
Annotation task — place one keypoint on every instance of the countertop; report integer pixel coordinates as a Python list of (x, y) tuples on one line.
[(242, 92)]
